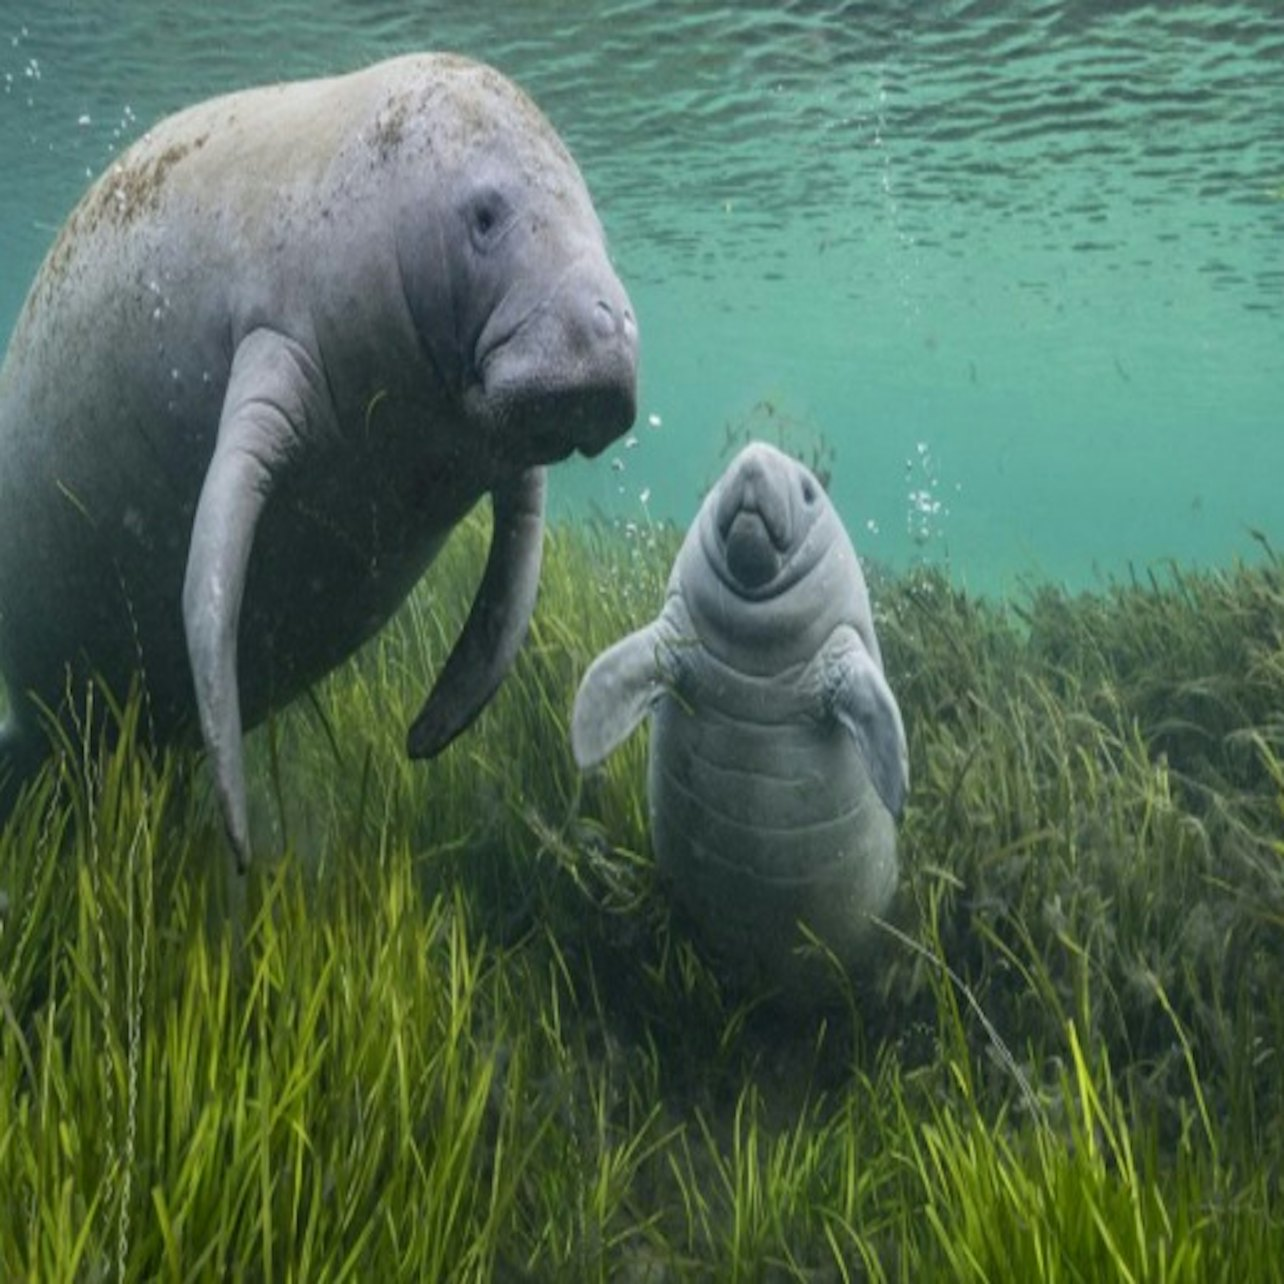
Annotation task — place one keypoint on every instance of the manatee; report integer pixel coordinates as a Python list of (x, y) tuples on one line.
[(777, 761), (277, 352)]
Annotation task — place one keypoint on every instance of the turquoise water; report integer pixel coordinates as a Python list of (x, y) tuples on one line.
[(1018, 266)]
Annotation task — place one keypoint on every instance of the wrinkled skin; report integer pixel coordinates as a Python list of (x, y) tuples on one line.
[(778, 763), (277, 352)]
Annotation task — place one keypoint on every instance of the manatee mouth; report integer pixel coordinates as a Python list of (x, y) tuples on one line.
[(544, 424), (753, 557), (586, 418)]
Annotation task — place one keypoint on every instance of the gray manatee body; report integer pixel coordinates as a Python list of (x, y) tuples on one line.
[(277, 352), (777, 757)]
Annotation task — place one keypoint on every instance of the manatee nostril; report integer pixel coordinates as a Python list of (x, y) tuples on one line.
[(604, 320)]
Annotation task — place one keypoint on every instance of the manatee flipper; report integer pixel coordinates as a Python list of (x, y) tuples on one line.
[(497, 622), (619, 690), (855, 692), (274, 390)]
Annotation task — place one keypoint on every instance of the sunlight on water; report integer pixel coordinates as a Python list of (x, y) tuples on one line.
[(1037, 244)]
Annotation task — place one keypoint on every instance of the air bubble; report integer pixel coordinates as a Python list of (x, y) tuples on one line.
[(925, 513)]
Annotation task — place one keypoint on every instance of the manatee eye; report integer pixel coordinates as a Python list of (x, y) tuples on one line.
[(487, 215), (809, 491)]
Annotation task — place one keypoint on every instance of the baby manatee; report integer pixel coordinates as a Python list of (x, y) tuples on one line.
[(778, 763)]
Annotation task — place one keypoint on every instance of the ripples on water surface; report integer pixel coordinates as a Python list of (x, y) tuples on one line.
[(1022, 265)]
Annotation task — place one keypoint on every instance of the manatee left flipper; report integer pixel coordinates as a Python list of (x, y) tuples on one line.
[(274, 398), (855, 692), (496, 624)]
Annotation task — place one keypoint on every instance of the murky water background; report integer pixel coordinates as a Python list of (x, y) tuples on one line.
[(1015, 270)]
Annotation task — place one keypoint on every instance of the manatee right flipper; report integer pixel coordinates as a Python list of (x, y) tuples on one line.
[(620, 689), (274, 393)]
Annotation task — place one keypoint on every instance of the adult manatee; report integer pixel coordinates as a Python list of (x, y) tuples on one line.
[(276, 353), (777, 756)]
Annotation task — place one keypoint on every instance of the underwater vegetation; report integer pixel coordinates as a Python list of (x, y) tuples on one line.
[(797, 435), (454, 1031)]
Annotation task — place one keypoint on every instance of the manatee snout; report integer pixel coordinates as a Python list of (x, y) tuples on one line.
[(599, 341), (755, 519), (570, 365)]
